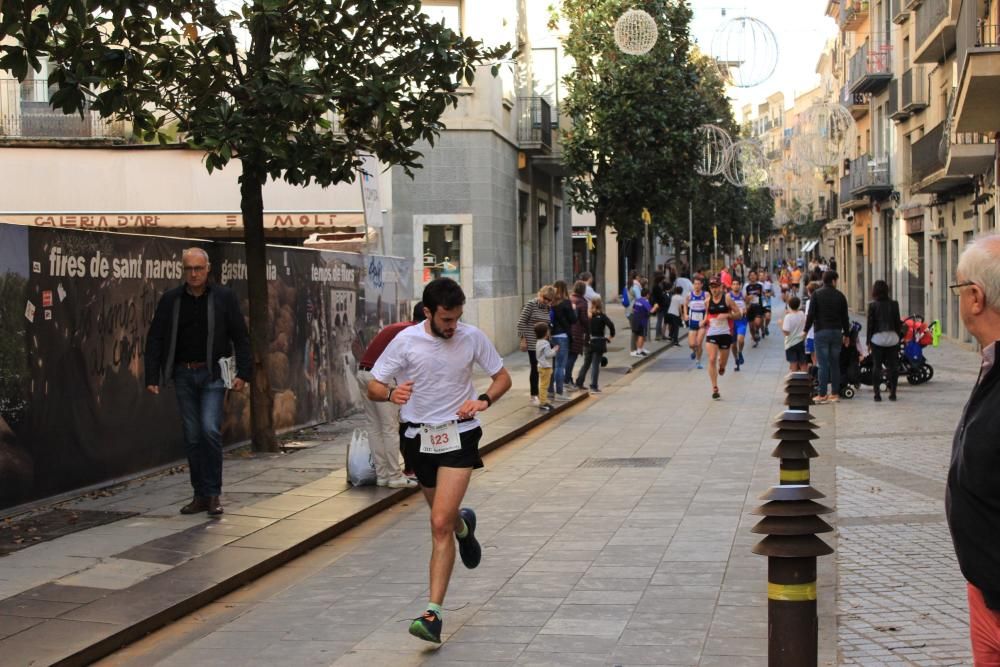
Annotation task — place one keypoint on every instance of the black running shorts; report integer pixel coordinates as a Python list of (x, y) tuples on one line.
[(426, 465), (722, 340)]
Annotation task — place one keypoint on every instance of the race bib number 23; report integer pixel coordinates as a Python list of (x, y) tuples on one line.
[(439, 438)]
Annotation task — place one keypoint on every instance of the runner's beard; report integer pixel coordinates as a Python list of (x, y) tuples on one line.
[(438, 332)]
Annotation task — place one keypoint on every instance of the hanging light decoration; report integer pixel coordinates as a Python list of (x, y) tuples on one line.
[(746, 166), (745, 50), (825, 133), (714, 150), (635, 32)]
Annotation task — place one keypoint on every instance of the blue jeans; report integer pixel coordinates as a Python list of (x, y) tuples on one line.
[(559, 367), (828, 344), (200, 399)]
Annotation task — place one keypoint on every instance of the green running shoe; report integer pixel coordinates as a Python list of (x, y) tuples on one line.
[(427, 627)]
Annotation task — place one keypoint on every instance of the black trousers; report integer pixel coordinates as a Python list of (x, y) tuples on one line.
[(533, 374), (889, 357)]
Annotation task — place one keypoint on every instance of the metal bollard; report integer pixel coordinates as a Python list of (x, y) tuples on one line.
[(799, 388), (791, 521), (795, 431)]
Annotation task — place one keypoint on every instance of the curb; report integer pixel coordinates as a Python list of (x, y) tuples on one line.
[(181, 603)]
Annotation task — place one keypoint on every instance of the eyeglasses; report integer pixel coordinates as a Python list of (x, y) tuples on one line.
[(195, 269), (957, 287)]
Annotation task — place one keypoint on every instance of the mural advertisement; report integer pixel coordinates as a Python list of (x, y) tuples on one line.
[(75, 307)]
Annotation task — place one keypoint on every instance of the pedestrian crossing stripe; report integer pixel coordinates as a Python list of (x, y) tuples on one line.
[(792, 592), (793, 475)]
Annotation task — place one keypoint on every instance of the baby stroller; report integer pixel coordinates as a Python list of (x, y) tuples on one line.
[(850, 367), (912, 363)]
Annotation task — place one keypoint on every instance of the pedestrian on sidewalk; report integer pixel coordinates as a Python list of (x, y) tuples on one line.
[(562, 317), (972, 500), (535, 311), (674, 314), (828, 313), (579, 331), (588, 278), (545, 353), (882, 334), (793, 325), (427, 369), (694, 315), (602, 330), (641, 310), (383, 416), (718, 339), (194, 326)]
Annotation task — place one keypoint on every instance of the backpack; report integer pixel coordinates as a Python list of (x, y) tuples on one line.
[(625, 300)]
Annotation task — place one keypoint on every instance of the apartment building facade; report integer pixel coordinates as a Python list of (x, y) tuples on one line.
[(487, 208)]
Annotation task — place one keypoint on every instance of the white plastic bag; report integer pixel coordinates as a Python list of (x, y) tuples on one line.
[(360, 464)]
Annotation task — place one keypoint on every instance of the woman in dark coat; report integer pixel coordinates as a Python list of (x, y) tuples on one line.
[(882, 332), (563, 317), (579, 332)]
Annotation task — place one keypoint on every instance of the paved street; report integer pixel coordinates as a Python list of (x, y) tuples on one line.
[(637, 561)]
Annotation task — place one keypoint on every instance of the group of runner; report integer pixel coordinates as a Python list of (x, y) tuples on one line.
[(718, 320)]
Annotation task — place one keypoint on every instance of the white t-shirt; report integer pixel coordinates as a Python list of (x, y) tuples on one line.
[(793, 325), (441, 371), (685, 285), (589, 293), (676, 302)]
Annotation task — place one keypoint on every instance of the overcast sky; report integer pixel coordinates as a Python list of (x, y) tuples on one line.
[(801, 28)]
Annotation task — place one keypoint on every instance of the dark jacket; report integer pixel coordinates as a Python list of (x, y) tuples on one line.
[(972, 499), (883, 316), (599, 323), (227, 332), (580, 330), (563, 317), (828, 311)]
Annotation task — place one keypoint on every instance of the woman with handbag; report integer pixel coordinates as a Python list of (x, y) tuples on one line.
[(884, 325), (536, 310)]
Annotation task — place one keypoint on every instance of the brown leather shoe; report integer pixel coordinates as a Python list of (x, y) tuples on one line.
[(214, 506), (199, 504)]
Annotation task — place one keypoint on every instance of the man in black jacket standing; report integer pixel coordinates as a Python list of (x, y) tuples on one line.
[(972, 501), (828, 314), (196, 325)]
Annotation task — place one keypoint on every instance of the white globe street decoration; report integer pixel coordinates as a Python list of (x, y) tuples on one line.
[(635, 32), (826, 130), (715, 143), (747, 165), (745, 50)]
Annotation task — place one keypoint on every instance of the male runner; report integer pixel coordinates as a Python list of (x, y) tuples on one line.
[(694, 314), (754, 292), (720, 309), (427, 369), (765, 302), (740, 323)]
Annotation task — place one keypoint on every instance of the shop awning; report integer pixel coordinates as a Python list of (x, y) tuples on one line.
[(808, 247)]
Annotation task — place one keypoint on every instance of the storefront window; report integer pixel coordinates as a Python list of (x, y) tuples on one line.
[(442, 252)]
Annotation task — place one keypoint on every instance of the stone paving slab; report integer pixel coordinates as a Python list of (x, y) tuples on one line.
[(148, 570)]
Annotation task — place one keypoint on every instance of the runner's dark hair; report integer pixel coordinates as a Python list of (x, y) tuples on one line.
[(443, 292)]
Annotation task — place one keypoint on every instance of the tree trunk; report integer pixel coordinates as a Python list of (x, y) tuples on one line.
[(252, 205), (602, 252)]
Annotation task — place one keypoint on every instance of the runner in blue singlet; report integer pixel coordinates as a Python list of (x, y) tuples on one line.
[(740, 324)]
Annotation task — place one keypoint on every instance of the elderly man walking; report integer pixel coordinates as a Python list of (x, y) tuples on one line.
[(972, 501)]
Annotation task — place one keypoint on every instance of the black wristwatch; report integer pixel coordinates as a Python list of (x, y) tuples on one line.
[(485, 397)]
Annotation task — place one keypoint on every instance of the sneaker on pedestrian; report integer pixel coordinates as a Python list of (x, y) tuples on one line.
[(833, 399), (594, 390), (715, 393), (381, 481), (699, 366), (820, 400), (570, 388), (644, 351), (548, 407), (401, 482), (427, 627), (692, 356), (561, 397), (635, 353), (409, 474), (741, 359), (535, 400), (468, 546)]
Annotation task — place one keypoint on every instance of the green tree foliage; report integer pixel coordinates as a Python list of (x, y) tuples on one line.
[(290, 89)]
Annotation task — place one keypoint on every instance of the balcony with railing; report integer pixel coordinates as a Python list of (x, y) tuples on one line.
[(913, 90), (927, 168), (853, 13), (900, 12), (935, 30), (25, 115), (871, 66), (856, 103), (847, 198), (534, 125), (870, 177), (970, 154), (978, 42)]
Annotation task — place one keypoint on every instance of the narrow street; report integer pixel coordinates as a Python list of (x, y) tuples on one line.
[(643, 559)]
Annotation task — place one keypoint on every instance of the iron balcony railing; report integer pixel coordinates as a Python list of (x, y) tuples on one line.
[(534, 125), (25, 114), (871, 65), (925, 154), (929, 16), (868, 173)]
